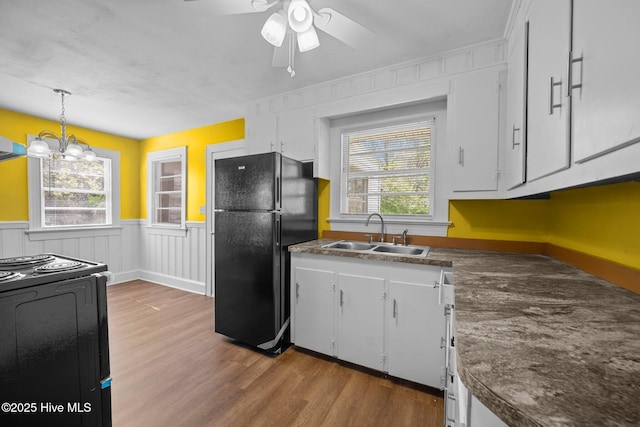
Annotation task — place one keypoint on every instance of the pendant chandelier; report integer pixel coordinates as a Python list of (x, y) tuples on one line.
[(69, 146)]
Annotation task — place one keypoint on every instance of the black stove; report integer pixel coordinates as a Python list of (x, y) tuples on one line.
[(54, 340), (24, 271)]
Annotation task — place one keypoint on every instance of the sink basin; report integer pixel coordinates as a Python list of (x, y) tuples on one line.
[(382, 248), (402, 250), (354, 246)]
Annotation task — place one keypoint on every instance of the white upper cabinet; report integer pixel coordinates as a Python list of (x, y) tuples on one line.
[(548, 142), (295, 133), (291, 133), (515, 155), (475, 126), (605, 71), (261, 134)]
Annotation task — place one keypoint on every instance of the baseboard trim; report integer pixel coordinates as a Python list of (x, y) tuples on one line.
[(173, 282), (618, 274), (124, 276)]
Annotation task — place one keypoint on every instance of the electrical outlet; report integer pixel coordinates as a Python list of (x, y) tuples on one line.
[(203, 210)]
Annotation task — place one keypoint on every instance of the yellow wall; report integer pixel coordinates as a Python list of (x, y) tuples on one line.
[(14, 205), (524, 220), (196, 141), (603, 221), (324, 188)]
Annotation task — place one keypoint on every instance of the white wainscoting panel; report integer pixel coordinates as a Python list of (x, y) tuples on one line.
[(174, 261), (119, 251), (132, 252)]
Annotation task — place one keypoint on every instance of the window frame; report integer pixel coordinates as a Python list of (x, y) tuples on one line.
[(153, 159), (344, 167), (438, 224), (36, 199)]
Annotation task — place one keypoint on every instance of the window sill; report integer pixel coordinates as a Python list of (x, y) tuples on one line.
[(71, 233), (167, 231), (416, 226)]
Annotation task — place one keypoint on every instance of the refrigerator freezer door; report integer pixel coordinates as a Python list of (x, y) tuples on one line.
[(247, 276), (248, 182)]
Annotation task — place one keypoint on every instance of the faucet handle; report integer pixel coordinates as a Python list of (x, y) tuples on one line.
[(370, 236), (394, 238)]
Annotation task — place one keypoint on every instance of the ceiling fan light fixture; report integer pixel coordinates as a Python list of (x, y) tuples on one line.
[(275, 28), (300, 16), (308, 40)]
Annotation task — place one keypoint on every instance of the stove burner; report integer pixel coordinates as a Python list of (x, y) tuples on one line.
[(5, 276), (56, 267), (25, 261)]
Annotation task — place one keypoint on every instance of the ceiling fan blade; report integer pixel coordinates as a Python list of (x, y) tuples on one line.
[(343, 28), (234, 7), (281, 55)]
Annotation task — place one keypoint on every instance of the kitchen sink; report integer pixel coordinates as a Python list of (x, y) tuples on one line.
[(381, 248), (402, 250), (354, 246)]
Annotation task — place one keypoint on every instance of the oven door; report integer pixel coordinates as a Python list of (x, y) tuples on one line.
[(50, 348)]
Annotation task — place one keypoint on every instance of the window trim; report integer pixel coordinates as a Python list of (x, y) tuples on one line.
[(438, 224), (34, 181), (158, 156), (429, 120)]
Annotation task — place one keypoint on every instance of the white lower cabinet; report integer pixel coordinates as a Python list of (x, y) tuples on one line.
[(313, 295), (382, 315), (415, 327), (361, 320)]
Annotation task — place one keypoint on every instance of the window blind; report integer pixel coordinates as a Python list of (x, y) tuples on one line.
[(388, 169)]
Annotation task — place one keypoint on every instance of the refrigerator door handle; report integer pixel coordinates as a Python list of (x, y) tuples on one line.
[(278, 191), (278, 231)]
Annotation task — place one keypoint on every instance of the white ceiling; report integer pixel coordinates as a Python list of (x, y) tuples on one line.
[(142, 68)]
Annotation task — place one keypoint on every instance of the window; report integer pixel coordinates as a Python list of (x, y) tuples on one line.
[(167, 187), (75, 192), (73, 197), (388, 170)]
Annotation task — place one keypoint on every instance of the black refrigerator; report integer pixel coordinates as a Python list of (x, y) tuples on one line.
[(263, 204)]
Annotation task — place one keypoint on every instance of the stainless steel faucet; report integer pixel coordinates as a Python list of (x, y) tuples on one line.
[(366, 224)]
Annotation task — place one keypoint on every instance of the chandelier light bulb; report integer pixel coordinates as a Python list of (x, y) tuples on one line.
[(88, 155), (73, 149), (38, 148)]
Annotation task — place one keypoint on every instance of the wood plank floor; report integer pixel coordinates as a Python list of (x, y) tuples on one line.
[(170, 368)]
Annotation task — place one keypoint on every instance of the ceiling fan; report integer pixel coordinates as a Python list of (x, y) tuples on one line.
[(296, 22)]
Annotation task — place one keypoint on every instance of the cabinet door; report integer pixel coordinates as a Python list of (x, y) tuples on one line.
[(476, 131), (416, 326), (547, 94), (360, 320), (261, 134), (516, 98), (606, 109), (296, 134), (313, 292)]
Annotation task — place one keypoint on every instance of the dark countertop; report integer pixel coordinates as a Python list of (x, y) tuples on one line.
[(540, 343)]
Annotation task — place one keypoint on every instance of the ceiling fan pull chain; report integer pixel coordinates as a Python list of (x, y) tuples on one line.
[(292, 55)]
